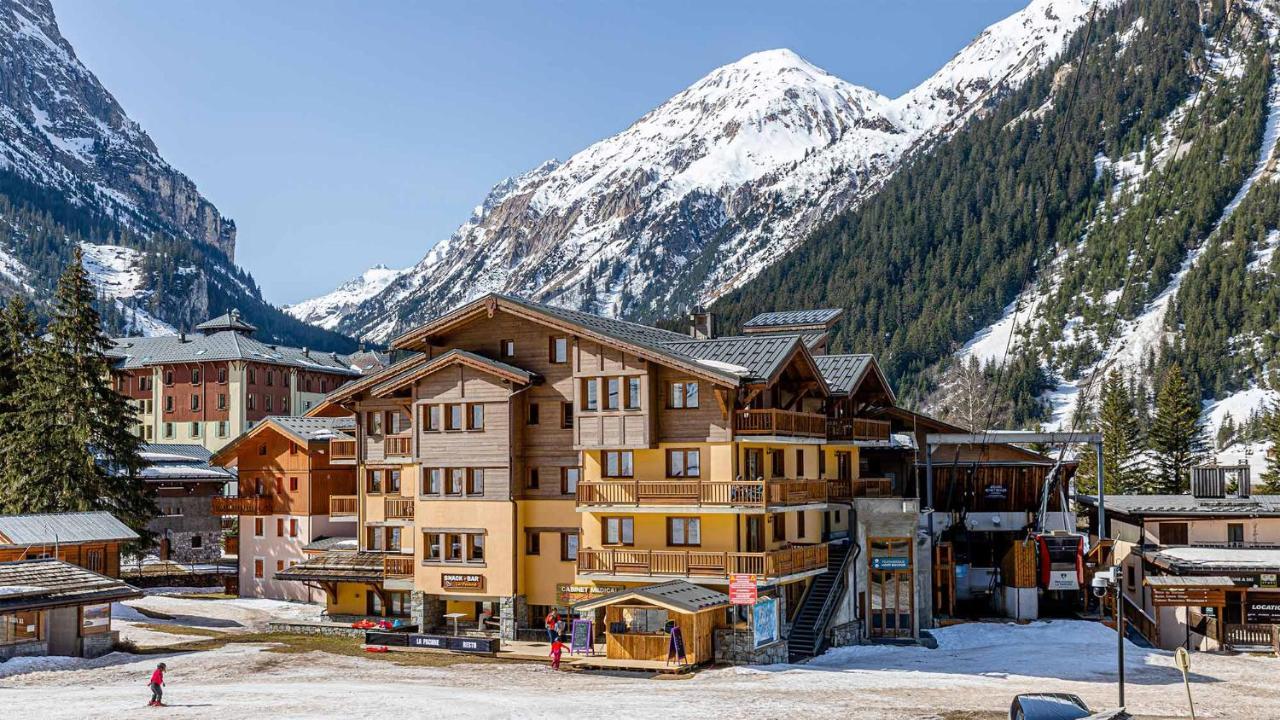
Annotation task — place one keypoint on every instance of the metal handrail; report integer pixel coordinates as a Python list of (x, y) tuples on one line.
[(828, 606)]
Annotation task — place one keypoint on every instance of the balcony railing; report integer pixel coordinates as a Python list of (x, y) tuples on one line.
[(857, 429), (344, 505), (342, 450), (1253, 636), (779, 422), (398, 445), (862, 487), (770, 565), (251, 505), (699, 493), (398, 508), (397, 566)]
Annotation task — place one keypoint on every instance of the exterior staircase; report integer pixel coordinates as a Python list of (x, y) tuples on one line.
[(808, 635)]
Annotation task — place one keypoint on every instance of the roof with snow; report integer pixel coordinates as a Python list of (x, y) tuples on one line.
[(64, 528), (332, 544), (1181, 505), (132, 353), (180, 463), (316, 428), (50, 583), (843, 372), (678, 595), (227, 321), (1216, 559), (336, 567), (824, 317), (757, 357)]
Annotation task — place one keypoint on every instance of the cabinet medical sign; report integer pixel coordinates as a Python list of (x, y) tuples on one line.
[(462, 582), (742, 589)]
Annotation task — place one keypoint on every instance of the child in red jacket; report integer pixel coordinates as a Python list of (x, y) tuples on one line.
[(157, 682), (557, 648)]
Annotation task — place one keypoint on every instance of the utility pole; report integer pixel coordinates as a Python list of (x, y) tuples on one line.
[(1120, 632)]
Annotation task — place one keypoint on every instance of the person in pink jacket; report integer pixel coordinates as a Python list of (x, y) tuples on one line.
[(157, 682)]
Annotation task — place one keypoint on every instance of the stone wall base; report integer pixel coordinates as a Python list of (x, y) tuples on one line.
[(739, 649), (845, 634)]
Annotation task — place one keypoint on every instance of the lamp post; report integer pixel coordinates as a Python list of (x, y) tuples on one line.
[(1102, 582)]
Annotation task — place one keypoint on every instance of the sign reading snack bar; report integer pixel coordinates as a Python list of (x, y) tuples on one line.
[(451, 581)]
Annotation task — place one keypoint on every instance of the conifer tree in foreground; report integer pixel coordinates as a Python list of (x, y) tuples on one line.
[(1177, 439), (1121, 442), (67, 444), (1271, 431)]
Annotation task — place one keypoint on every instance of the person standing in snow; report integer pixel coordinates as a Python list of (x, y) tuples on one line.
[(557, 648), (157, 682)]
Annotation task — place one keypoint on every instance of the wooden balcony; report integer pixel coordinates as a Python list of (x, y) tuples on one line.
[(779, 422), (862, 487), (342, 450), (398, 446), (344, 506), (699, 493), (397, 566), (857, 429), (398, 508), (252, 505), (771, 565)]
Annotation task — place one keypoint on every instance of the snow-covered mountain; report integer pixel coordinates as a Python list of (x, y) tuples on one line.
[(327, 310), (704, 191)]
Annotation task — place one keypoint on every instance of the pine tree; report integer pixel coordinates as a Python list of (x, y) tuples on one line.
[(73, 448), (1271, 428), (1121, 441), (17, 336), (1177, 439)]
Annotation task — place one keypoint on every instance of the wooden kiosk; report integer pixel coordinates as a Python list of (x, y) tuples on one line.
[(639, 621)]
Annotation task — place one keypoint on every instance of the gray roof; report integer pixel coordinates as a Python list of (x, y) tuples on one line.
[(843, 372), (442, 359), (680, 595), (332, 544), (316, 428), (138, 352), (66, 528), (1179, 505), (356, 566), (756, 357), (791, 318), (226, 321), (179, 463), (49, 583)]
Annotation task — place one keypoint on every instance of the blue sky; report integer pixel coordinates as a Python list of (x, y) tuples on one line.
[(343, 134)]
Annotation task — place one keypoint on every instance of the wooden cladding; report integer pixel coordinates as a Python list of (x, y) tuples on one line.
[(397, 566), (398, 508), (857, 429), (696, 493), (779, 422), (343, 505), (770, 565), (253, 505), (398, 446), (340, 450)]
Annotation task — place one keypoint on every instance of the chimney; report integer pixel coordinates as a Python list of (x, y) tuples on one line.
[(182, 336), (306, 351), (701, 324), (1208, 482)]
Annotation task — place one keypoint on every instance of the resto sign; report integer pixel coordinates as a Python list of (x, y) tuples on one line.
[(742, 589), (450, 581)]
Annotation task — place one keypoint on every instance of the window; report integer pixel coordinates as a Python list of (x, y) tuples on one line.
[(777, 463), (684, 463), (633, 393), (373, 423), (432, 481), (96, 561), (684, 532), (532, 542), (779, 527), (1130, 577), (168, 430), (1235, 533), (799, 462), (262, 449), (822, 463), (258, 527), (431, 417), (645, 620), (293, 448), (434, 546), (293, 484), (531, 414), (393, 481), (619, 531), (269, 403), (195, 429), (142, 382), (279, 527), (454, 417), (684, 394), (531, 481), (569, 477), (617, 463), (475, 548), (168, 403), (195, 402), (475, 420), (566, 416), (168, 377), (257, 567), (195, 376), (374, 480), (507, 348), (271, 377), (568, 546), (253, 376), (613, 393), (293, 527), (800, 529), (222, 375), (1173, 533), (559, 350), (453, 546), (377, 539), (222, 401), (457, 477), (308, 383), (590, 394), (475, 481)]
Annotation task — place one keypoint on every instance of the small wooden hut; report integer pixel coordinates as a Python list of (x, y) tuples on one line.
[(639, 621)]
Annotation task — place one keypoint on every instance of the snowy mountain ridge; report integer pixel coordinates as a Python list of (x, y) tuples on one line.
[(327, 310), (707, 189)]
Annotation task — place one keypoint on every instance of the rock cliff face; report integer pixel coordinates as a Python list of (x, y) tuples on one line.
[(706, 190), (61, 129)]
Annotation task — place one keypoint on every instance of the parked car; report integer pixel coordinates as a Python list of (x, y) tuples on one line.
[(1048, 706)]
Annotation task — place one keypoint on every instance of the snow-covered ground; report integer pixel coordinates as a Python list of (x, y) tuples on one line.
[(973, 674), (116, 273)]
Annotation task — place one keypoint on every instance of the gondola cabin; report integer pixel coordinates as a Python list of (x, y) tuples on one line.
[(1060, 558)]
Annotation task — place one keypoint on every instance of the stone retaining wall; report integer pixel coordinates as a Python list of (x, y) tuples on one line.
[(738, 649)]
